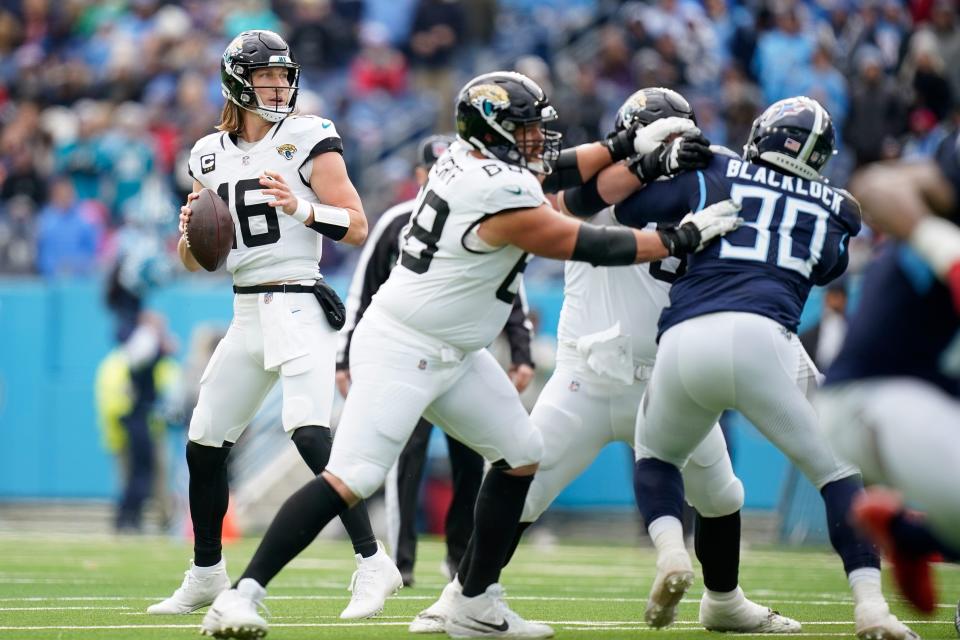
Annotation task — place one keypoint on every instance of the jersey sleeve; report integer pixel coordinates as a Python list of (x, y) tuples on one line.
[(511, 189), (662, 201), (202, 159), (836, 255), (318, 136)]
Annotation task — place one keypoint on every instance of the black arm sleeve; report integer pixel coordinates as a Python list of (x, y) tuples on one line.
[(519, 332), (605, 246), (565, 174), (584, 201), (375, 266)]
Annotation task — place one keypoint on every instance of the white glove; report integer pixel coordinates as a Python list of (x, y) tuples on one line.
[(648, 138), (714, 221)]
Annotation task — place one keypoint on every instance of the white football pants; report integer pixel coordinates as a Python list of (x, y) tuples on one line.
[(399, 375), (740, 361), (901, 432), (272, 335), (578, 416)]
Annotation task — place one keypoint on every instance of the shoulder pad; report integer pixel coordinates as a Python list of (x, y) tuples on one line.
[(309, 127), (509, 187)]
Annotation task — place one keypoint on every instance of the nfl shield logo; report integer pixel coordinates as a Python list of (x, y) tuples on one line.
[(268, 297)]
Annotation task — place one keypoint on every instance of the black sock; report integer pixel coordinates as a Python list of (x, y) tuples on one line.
[(295, 526), (209, 497), (914, 537), (658, 489), (717, 543), (465, 561), (523, 526), (314, 444), (855, 551), (496, 517)]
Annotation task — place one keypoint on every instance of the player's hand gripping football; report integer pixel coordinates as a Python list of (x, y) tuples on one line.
[(185, 213), (280, 190), (687, 152), (696, 230)]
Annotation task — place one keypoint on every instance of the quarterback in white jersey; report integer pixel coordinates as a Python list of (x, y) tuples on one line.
[(285, 183), (418, 349)]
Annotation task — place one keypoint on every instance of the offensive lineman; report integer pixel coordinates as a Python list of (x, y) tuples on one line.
[(606, 349), (286, 184), (728, 339), (419, 348)]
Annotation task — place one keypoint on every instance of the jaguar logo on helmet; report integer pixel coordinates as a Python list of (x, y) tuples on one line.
[(488, 98), (287, 151)]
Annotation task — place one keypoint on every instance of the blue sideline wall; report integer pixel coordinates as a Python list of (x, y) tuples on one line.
[(55, 334)]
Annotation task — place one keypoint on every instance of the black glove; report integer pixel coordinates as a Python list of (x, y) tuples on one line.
[(620, 143), (681, 240), (688, 152)]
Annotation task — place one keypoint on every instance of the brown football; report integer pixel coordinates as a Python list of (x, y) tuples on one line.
[(210, 231)]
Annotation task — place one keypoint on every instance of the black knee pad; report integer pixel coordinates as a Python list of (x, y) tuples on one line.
[(314, 444), (204, 460)]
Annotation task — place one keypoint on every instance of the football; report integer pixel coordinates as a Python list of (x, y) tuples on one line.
[(210, 231)]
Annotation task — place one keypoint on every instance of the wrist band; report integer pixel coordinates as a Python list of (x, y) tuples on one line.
[(332, 222), (302, 214)]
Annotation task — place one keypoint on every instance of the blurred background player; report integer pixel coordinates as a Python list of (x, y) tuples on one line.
[(890, 400), (606, 351), (274, 169), (466, 466), (419, 349), (740, 299), (130, 384)]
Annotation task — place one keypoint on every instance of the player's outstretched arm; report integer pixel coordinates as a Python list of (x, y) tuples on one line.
[(543, 231), (183, 246)]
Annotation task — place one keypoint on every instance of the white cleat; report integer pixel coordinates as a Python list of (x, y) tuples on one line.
[(674, 577), (375, 579), (433, 619), (488, 616), (875, 622), (196, 591), (743, 615), (234, 613)]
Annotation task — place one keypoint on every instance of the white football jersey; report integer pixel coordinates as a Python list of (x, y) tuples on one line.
[(597, 298), (448, 283), (269, 246)]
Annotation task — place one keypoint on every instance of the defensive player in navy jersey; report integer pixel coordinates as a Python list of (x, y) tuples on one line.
[(890, 400), (728, 338)]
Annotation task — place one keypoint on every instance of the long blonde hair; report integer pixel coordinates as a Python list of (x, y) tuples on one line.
[(231, 120)]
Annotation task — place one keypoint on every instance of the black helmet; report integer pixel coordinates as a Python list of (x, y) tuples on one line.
[(255, 50), (431, 148), (651, 104), (795, 134), (491, 107)]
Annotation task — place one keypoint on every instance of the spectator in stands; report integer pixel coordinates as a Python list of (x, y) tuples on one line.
[(781, 53), (66, 241), (17, 236), (129, 156), (438, 29), (322, 39), (877, 110), (378, 66), (923, 68)]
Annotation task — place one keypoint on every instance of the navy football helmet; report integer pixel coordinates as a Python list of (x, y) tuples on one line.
[(651, 104), (490, 109), (256, 50), (795, 134)]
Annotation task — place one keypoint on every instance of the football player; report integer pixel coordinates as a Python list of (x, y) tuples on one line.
[(728, 338), (402, 491), (890, 400), (606, 349), (284, 179), (419, 349)]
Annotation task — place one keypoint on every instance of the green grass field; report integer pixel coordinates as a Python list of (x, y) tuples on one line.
[(94, 587)]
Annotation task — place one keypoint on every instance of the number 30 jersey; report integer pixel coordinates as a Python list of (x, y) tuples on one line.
[(269, 245), (795, 235), (448, 283)]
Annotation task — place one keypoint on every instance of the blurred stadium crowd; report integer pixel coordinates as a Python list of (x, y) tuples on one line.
[(100, 102)]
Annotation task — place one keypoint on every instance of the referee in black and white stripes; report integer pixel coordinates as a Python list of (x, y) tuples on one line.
[(379, 255)]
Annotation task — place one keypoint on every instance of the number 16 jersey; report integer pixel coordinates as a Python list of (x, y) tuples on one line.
[(448, 283), (269, 245)]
